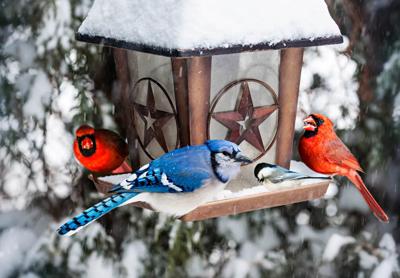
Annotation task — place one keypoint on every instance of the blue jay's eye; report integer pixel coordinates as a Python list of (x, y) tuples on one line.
[(226, 153)]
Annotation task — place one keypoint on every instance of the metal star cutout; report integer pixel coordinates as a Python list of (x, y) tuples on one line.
[(243, 123), (153, 119)]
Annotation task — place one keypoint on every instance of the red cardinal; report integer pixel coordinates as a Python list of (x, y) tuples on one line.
[(101, 151), (322, 150)]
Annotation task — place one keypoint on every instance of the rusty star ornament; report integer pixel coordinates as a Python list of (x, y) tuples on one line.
[(243, 123), (153, 120)]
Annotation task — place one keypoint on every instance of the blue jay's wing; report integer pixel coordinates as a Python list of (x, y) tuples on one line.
[(146, 179), (182, 170)]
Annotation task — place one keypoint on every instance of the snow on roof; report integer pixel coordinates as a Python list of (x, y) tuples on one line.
[(202, 25)]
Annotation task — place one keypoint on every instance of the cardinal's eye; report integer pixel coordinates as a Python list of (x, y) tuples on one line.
[(319, 121)]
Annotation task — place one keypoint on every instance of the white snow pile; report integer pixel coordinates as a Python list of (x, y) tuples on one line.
[(189, 24), (383, 260), (114, 179), (335, 243), (390, 263), (134, 253), (20, 232), (14, 244), (259, 250)]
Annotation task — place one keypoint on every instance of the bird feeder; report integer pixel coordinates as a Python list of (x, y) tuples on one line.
[(192, 70)]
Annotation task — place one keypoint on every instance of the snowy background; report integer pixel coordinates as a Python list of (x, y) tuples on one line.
[(49, 84)]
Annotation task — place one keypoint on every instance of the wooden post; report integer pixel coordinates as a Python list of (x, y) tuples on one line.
[(199, 83), (179, 74), (289, 81), (126, 103)]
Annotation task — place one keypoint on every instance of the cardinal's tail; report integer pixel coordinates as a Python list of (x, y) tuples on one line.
[(372, 203), (94, 212), (123, 168)]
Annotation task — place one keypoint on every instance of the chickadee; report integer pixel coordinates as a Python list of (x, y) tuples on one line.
[(276, 177)]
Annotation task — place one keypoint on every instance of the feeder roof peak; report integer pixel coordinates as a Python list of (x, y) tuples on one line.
[(208, 27)]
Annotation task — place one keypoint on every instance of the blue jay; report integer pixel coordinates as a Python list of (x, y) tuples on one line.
[(276, 177), (175, 183)]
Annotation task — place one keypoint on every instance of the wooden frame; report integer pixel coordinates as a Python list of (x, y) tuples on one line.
[(289, 82), (199, 83), (198, 52), (192, 82), (179, 75), (123, 82)]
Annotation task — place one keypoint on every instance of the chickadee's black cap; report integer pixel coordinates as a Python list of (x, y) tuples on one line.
[(260, 166)]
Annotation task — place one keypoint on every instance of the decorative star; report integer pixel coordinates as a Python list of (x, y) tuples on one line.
[(243, 123), (153, 119), (149, 120)]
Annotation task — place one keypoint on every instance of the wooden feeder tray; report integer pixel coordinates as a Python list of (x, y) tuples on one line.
[(246, 203)]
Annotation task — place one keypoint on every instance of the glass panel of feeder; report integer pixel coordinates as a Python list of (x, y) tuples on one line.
[(241, 84), (229, 78), (153, 93)]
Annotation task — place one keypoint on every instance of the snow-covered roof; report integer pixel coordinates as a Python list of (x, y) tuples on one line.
[(204, 27)]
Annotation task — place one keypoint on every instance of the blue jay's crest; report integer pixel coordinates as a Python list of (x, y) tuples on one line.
[(219, 146), (199, 171)]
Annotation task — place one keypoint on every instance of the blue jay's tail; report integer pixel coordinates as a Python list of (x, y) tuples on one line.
[(94, 212)]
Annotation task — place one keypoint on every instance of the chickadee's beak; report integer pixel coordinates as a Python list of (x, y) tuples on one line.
[(243, 159), (309, 124)]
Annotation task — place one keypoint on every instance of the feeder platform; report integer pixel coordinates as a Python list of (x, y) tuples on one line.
[(244, 203)]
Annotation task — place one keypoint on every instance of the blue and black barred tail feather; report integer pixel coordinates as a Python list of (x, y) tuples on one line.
[(94, 212)]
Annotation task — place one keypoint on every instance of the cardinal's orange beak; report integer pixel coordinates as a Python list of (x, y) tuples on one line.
[(309, 124), (87, 144)]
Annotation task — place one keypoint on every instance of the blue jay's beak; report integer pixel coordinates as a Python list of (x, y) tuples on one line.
[(243, 159)]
